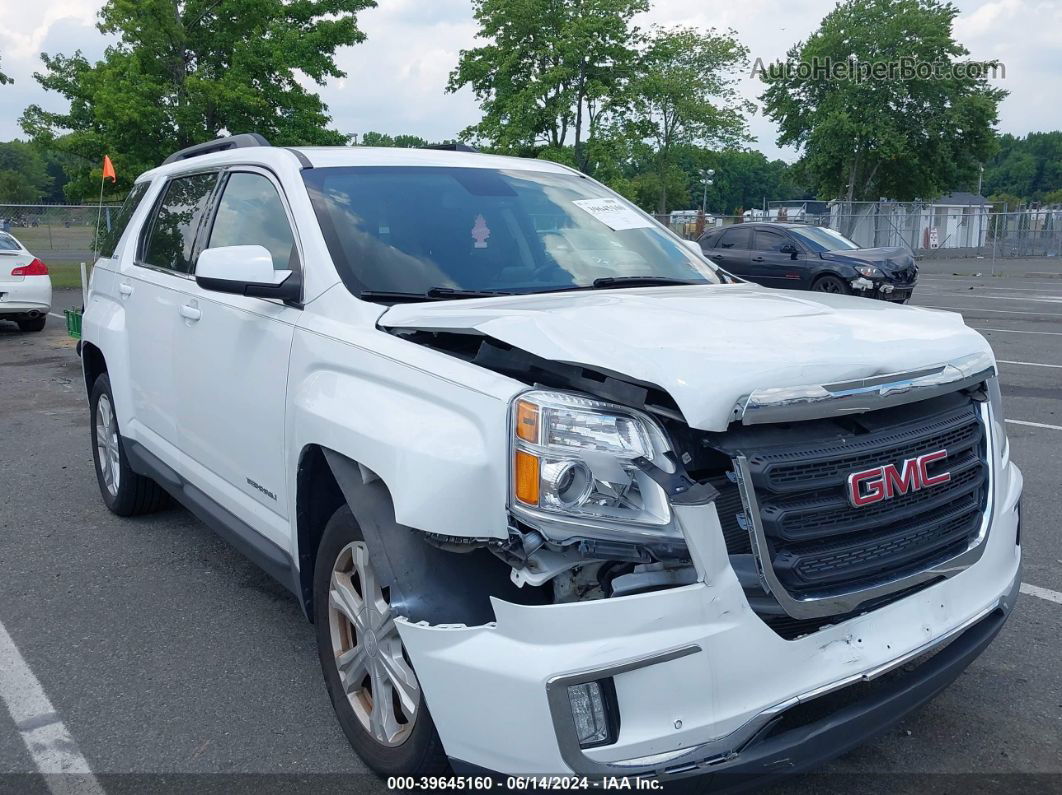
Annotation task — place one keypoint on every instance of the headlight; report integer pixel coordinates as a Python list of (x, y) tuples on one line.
[(869, 271), (573, 456)]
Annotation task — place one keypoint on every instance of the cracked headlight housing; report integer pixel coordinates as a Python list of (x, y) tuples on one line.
[(573, 459)]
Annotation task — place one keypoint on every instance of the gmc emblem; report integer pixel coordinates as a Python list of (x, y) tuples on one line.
[(885, 482)]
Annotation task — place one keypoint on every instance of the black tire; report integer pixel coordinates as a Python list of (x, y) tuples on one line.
[(831, 284), (421, 753), (34, 324), (135, 494)]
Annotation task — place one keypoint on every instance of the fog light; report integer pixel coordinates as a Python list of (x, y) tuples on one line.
[(590, 709)]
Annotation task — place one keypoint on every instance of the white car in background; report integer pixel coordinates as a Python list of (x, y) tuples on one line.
[(25, 286)]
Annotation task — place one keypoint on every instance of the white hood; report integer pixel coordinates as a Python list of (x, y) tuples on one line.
[(709, 346)]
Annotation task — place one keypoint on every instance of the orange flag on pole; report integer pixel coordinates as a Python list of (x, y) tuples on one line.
[(108, 169)]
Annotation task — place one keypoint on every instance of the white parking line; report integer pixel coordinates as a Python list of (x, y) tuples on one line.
[(1035, 424), (60, 317), (943, 289), (968, 296), (49, 743), (1017, 331), (961, 309), (1029, 364), (1043, 593)]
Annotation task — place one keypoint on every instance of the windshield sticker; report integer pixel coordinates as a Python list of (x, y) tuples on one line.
[(613, 214), (480, 231)]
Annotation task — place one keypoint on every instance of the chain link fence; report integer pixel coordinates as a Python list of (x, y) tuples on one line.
[(57, 233), (929, 230)]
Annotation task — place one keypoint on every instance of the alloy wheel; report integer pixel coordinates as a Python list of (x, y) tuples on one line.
[(107, 450), (374, 670)]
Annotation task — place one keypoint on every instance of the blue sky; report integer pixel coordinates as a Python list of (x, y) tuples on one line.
[(396, 80)]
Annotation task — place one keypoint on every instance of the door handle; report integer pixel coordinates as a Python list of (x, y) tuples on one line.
[(190, 312), (125, 289), (758, 259)]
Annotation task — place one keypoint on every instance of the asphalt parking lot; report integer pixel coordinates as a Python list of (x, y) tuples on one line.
[(172, 662)]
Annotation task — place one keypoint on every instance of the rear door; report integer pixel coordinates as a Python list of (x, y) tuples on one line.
[(732, 250), (231, 354), (775, 260), (152, 287)]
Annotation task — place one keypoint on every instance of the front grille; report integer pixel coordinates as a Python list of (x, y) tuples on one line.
[(817, 543)]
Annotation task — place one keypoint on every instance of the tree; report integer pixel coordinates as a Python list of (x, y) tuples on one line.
[(549, 71), (683, 92), (24, 175), (373, 138), (866, 128), (1029, 167), (185, 71), (4, 79)]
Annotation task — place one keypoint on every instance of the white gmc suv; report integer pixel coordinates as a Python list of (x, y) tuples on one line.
[(559, 496)]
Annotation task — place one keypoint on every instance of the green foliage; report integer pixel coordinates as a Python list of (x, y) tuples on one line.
[(867, 138), (1029, 167), (24, 177), (548, 69), (1005, 202), (185, 71), (1052, 197), (4, 79), (684, 92), (373, 138)]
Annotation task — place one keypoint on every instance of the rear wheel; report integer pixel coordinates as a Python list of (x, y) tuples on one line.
[(33, 324), (831, 284), (370, 680), (124, 491)]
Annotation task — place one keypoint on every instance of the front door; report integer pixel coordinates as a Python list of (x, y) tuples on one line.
[(775, 260), (232, 359)]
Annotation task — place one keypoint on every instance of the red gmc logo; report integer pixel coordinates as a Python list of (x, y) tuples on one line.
[(885, 482)]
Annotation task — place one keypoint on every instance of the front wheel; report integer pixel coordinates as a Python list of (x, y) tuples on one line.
[(370, 679), (831, 284)]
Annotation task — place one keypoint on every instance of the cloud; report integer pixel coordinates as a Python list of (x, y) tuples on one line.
[(396, 81)]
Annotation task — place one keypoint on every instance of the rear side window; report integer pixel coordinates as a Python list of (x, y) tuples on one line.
[(8, 243), (736, 237), (171, 239), (251, 213), (710, 240), (120, 220)]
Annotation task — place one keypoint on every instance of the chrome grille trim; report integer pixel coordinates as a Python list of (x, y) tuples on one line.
[(847, 602)]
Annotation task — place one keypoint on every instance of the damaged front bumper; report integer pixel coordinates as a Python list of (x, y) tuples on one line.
[(701, 683)]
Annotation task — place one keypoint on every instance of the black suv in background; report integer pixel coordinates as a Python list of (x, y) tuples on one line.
[(803, 257)]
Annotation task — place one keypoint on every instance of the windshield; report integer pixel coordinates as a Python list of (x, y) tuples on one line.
[(415, 229), (822, 238)]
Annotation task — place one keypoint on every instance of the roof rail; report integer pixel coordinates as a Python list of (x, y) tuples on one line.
[(452, 147), (218, 145)]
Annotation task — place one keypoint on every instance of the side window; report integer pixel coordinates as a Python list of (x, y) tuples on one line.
[(767, 240), (710, 240), (737, 237), (120, 220), (173, 229), (250, 212)]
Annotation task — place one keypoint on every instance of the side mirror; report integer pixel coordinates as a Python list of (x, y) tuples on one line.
[(694, 246), (246, 270)]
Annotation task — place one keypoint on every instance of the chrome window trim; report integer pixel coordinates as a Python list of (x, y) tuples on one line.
[(843, 603), (817, 401)]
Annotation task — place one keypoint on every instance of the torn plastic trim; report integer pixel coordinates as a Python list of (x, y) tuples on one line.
[(426, 582), (535, 371)]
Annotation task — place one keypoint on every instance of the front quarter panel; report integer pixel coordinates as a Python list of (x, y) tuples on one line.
[(432, 427)]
